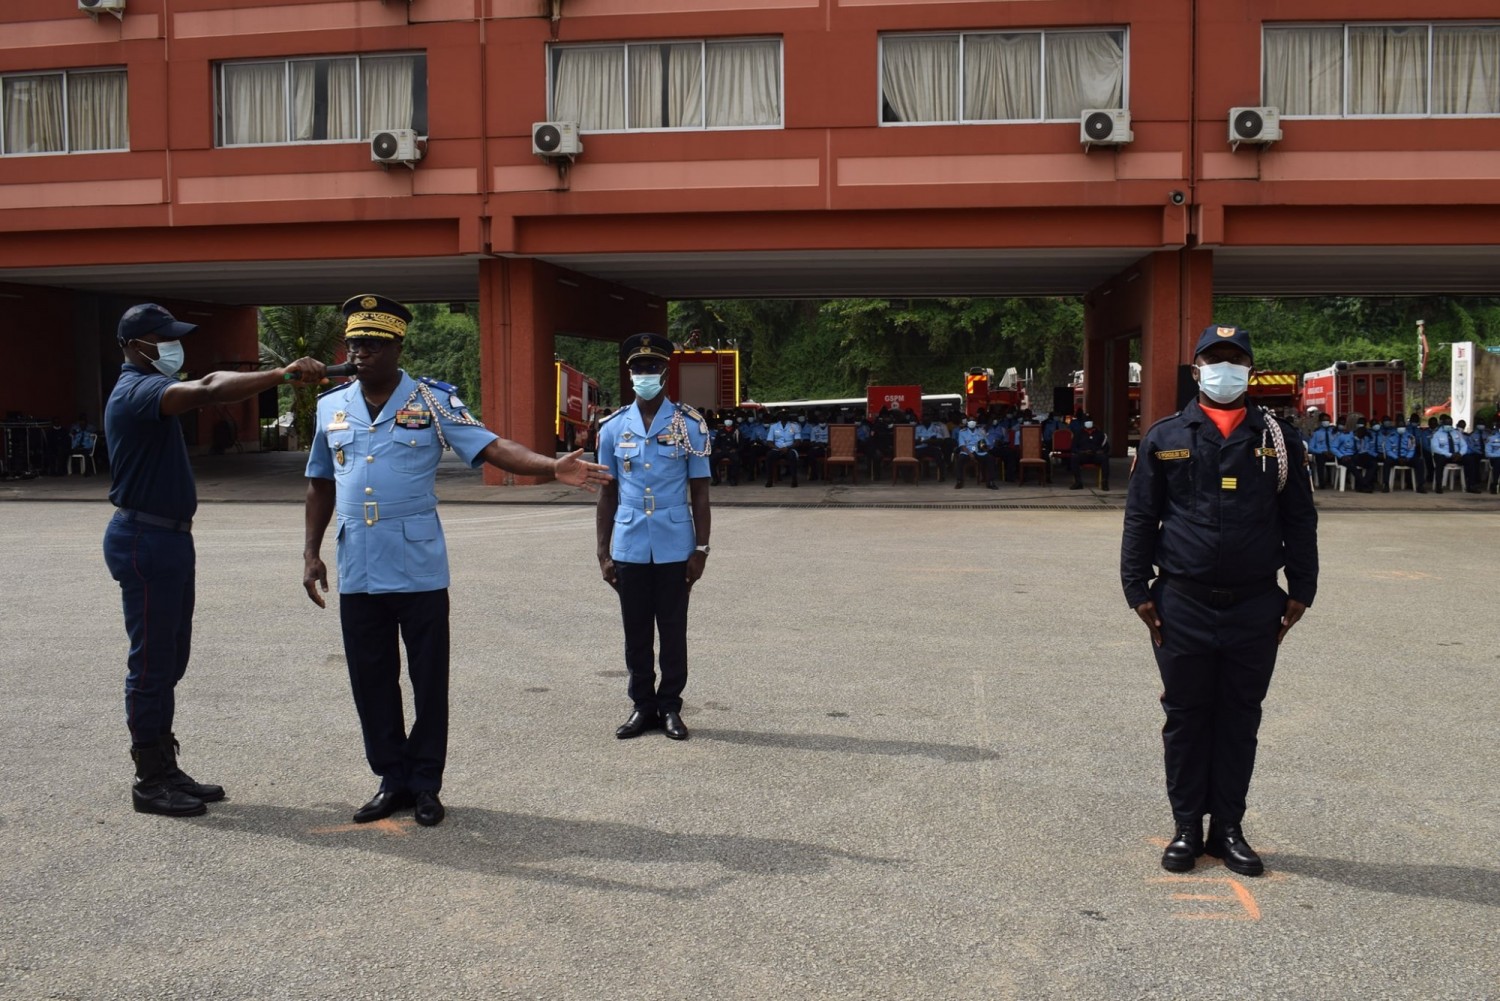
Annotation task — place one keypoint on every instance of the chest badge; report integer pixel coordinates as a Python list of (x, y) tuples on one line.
[(340, 421), (338, 455), (413, 420)]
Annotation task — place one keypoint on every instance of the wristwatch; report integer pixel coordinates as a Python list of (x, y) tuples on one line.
[(702, 549)]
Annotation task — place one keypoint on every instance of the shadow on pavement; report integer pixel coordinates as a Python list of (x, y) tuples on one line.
[(850, 745), (1445, 882), (526, 846)]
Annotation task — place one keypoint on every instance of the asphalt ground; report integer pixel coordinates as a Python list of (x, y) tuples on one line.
[(925, 763)]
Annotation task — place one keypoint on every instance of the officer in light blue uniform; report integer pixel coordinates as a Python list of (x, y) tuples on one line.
[(373, 464), (1449, 447), (1320, 447), (816, 430), (1402, 448), (782, 439), (652, 527), (1492, 453)]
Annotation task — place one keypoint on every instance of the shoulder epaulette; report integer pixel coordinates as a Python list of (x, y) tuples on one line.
[(436, 384), (605, 420), (335, 389), (689, 412)]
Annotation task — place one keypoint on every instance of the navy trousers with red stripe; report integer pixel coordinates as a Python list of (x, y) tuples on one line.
[(155, 568)]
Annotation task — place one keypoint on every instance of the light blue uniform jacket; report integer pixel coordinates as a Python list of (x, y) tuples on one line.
[(652, 467)]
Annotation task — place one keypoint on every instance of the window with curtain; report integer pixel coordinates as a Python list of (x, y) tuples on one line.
[(1382, 70), (717, 84), (72, 111), (1000, 76), (332, 99)]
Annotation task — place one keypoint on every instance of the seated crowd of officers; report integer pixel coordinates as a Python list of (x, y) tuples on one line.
[(791, 443), (1371, 450)]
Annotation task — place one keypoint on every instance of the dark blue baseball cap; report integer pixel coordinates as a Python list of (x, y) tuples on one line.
[(1238, 336), (149, 318)]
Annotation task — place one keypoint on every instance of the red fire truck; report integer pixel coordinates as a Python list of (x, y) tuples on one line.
[(705, 378), (1277, 390), (981, 390), (577, 403), (1370, 389)]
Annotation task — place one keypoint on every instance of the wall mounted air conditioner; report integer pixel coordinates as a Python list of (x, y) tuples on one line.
[(1104, 127), (94, 7), (389, 146), (1254, 125), (555, 140)]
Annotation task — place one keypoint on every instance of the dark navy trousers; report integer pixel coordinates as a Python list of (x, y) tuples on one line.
[(654, 602), (155, 568), (1216, 666), (373, 626)]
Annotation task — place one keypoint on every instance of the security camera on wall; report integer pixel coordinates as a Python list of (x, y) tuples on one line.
[(94, 7)]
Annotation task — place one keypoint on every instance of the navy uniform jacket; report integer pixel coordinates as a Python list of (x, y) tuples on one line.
[(651, 467), (384, 473), (1207, 509)]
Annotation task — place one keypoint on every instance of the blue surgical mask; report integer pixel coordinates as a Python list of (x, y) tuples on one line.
[(169, 358), (1224, 382), (647, 387)]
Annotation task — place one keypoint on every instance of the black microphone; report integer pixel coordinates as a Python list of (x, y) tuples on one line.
[(342, 370)]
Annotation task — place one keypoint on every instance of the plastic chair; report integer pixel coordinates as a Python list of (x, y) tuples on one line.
[(1410, 477), (1341, 475), (1448, 471), (85, 456)]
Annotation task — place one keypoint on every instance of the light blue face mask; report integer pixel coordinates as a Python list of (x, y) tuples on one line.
[(647, 386), (169, 358), (1224, 382)]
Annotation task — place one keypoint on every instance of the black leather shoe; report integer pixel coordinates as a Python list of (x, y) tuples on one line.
[(429, 810), (153, 793), (384, 803), (637, 724), (182, 781), (672, 724), (1228, 843), (1076, 486), (1187, 844)]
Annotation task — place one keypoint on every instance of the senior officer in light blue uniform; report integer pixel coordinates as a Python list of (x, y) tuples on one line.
[(374, 463), (652, 527)]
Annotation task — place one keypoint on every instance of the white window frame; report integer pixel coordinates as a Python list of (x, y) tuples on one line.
[(286, 62), (702, 44), (1124, 31), (1344, 112), (66, 124)]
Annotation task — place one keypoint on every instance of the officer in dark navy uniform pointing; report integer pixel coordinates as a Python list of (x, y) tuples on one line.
[(652, 527), (1217, 505), (374, 463)]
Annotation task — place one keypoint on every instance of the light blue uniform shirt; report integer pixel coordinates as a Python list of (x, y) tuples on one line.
[(1448, 442), (969, 438), (783, 434), (1321, 440), (652, 467), (384, 473), (1343, 444), (818, 433), (1492, 445)]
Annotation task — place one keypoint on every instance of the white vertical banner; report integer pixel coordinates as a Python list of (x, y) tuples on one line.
[(1462, 404)]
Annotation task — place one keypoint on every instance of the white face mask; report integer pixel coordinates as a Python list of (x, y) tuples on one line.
[(1224, 382), (169, 358), (647, 387), (973, 424)]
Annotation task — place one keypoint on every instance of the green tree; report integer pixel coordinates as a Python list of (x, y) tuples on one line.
[(444, 345), (291, 332)]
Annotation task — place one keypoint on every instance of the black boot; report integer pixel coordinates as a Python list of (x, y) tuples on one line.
[(1227, 842), (1185, 847), (180, 780), (152, 792)]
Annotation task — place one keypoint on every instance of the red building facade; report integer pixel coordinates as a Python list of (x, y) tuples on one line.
[(216, 154)]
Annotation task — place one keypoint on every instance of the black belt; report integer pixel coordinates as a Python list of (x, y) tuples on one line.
[(155, 521), (1218, 597)]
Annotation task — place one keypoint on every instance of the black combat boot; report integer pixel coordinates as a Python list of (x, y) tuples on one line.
[(152, 793), (182, 781)]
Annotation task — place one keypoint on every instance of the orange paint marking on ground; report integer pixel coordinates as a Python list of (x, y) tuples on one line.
[(1249, 909), (398, 826)]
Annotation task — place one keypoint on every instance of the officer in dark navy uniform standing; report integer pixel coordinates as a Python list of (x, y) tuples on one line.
[(1217, 505), (374, 463), (148, 545), (652, 526)]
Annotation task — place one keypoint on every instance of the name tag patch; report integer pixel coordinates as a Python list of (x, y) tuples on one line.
[(413, 419), (1176, 453), (1266, 453)]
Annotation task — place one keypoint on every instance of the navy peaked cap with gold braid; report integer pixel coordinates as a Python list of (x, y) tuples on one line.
[(375, 316), (646, 346)]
